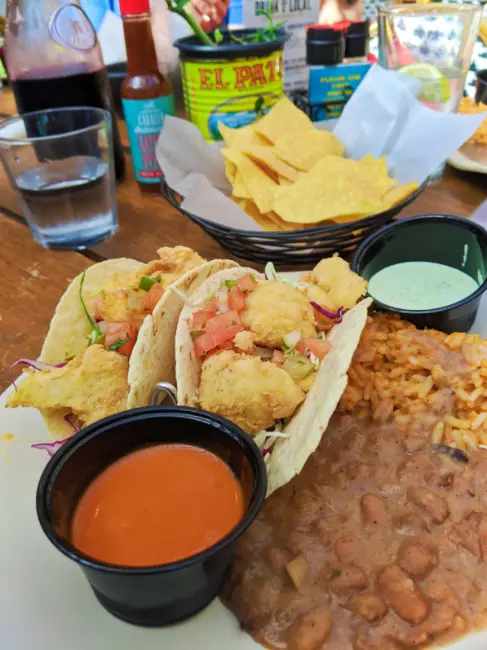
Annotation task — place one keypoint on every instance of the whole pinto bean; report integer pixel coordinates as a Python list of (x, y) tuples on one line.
[(310, 630), (429, 502), (418, 557), (403, 595), (374, 512)]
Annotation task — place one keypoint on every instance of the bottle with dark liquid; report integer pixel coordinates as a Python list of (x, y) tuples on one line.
[(54, 60), (146, 93)]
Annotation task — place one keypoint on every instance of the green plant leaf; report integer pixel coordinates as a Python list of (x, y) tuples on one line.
[(217, 35)]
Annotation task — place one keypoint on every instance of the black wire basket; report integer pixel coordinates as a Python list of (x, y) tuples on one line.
[(298, 248)]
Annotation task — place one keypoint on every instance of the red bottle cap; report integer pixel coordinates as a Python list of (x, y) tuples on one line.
[(134, 7)]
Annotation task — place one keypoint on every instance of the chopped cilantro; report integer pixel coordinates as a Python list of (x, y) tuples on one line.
[(116, 345)]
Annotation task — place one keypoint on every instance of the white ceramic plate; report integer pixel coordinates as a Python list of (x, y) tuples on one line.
[(45, 600), (461, 162)]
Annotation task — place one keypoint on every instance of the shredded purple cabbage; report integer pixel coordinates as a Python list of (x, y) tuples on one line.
[(50, 447), (335, 316), (71, 420), (266, 452), (32, 363)]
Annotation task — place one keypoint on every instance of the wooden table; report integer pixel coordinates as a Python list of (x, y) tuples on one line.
[(32, 279)]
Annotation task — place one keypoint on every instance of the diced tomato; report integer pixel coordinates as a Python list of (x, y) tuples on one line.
[(203, 344), (317, 347), (246, 283), (121, 332), (219, 333), (200, 318), (152, 297), (224, 326), (301, 347), (236, 299), (278, 357)]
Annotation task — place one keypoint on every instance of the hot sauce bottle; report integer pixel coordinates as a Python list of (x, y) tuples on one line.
[(146, 93)]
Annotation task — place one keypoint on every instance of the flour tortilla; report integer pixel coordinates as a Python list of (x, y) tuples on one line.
[(188, 367), (306, 427), (152, 359)]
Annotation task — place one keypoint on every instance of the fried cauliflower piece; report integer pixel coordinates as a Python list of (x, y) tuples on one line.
[(244, 341), (339, 286), (274, 309), (172, 263), (92, 386), (248, 391)]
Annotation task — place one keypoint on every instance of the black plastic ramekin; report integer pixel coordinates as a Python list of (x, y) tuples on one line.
[(452, 241), (155, 595)]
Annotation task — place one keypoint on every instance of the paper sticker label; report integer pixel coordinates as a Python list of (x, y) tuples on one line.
[(298, 14), (71, 27), (145, 119), (232, 92), (330, 88)]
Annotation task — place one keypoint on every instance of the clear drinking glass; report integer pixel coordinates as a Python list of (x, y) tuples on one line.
[(433, 43), (60, 164)]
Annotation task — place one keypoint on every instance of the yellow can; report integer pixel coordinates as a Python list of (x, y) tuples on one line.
[(230, 82)]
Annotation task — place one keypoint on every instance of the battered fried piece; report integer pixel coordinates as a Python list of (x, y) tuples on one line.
[(274, 310), (335, 284), (93, 386), (248, 391), (172, 264)]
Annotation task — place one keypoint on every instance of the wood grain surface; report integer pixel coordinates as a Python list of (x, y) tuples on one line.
[(32, 279)]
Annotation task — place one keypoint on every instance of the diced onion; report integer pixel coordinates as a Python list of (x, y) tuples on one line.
[(134, 299), (292, 339)]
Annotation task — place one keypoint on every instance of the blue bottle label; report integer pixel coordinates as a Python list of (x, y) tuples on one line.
[(145, 119), (330, 88)]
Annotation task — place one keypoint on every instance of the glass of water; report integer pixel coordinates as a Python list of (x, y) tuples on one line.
[(433, 43), (60, 163)]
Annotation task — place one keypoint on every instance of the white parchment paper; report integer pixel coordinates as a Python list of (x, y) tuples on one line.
[(383, 117)]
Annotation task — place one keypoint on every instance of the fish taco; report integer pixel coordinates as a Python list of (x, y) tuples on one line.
[(272, 355), (111, 339)]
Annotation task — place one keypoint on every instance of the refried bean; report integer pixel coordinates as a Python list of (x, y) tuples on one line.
[(377, 545)]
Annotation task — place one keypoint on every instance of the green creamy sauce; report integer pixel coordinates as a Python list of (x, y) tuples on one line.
[(417, 286)]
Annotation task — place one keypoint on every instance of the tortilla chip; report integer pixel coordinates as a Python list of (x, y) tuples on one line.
[(153, 357), (245, 136), (307, 426), (284, 117), (230, 170), (307, 149), (239, 189), (267, 159), (315, 198), (260, 186), (398, 194), (263, 220)]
